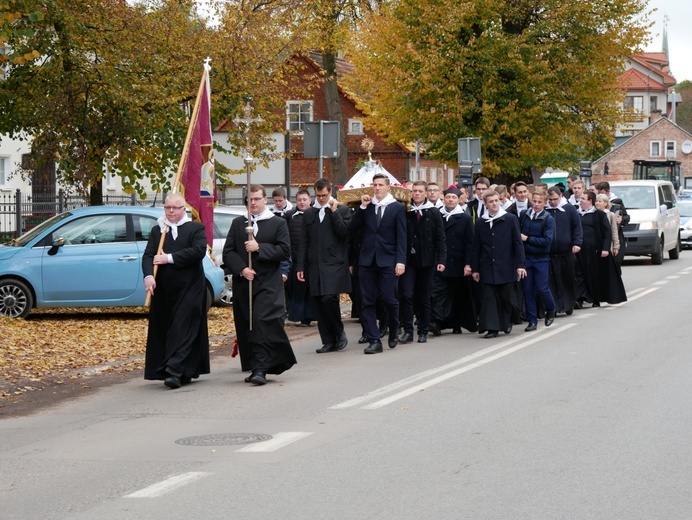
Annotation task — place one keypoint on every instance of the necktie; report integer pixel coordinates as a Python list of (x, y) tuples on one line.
[(378, 217)]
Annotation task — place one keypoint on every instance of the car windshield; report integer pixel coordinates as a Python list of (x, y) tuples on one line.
[(637, 197), (34, 232), (685, 208)]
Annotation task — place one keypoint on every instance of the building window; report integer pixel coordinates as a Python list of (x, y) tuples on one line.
[(670, 149), (634, 103), (298, 113), (655, 148), (653, 103), (4, 170), (355, 127)]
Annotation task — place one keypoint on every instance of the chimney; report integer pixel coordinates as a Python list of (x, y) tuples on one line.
[(656, 114)]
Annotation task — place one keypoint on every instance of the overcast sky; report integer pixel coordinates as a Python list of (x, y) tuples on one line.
[(679, 13)]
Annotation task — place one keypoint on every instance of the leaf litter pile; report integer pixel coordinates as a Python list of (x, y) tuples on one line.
[(57, 346)]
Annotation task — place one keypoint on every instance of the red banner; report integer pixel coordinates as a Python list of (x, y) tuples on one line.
[(198, 179)]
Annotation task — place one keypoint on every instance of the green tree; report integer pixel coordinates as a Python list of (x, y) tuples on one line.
[(107, 88), (536, 80), (683, 114)]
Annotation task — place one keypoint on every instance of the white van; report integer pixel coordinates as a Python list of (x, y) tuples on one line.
[(654, 225)]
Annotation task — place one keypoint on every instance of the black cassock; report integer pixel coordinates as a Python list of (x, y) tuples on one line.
[(178, 340), (266, 347)]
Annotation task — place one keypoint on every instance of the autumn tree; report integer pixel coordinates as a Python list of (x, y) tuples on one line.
[(536, 80), (108, 88)]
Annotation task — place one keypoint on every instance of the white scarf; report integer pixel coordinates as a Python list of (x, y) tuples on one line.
[(439, 203), (296, 212), (573, 201), (560, 205), (322, 208), (389, 199), (283, 211), (163, 222), (426, 205), (486, 216), (265, 215), (585, 211), (447, 214), (521, 206)]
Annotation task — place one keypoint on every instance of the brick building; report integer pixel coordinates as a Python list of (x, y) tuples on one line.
[(662, 145)]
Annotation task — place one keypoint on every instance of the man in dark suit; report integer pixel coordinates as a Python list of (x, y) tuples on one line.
[(426, 253), (521, 199), (322, 261), (475, 206), (382, 259)]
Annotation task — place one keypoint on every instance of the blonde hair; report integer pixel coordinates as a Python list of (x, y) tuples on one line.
[(604, 197)]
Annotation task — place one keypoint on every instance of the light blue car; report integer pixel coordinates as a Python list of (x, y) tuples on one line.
[(87, 257)]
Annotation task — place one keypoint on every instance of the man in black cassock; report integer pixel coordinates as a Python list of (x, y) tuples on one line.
[(265, 349), (178, 340), (322, 261)]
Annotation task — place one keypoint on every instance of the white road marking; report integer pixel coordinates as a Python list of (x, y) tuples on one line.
[(168, 485), (672, 277), (661, 282), (351, 403), (449, 375), (278, 440)]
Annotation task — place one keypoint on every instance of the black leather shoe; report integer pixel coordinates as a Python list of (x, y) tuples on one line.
[(531, 327), (491, 334), (422, 338), (383, 332), (184, 380), (363, 340), (326, 348), (375, 347), (249, 378), (343, 341), (172, 382), (392, 341), (406, 337), (435, 329), (258, 378), (578, 305), (596, 304), (456, 330), (508, 329), (569, 312), (549, 318)]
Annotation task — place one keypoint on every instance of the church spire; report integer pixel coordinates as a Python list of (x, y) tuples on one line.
[(665, 35)]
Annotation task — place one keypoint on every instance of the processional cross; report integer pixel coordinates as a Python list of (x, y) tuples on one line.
[(249, 161)]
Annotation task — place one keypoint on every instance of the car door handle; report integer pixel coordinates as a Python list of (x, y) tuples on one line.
[(127, 258)]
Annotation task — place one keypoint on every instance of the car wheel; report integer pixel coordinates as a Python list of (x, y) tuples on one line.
[(674, 253), (209, 299), (657, 257), (226, 299), (16, 299)]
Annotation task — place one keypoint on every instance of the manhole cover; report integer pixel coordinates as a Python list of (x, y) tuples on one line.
[(223, 439)]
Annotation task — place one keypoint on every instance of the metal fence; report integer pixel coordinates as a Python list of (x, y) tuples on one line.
[(19, 212)]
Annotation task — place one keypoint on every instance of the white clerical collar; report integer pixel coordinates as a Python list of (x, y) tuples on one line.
[(265, 215), (164, 223)]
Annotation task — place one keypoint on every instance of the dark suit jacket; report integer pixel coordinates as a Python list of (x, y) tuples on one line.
[(498, 251), (386, 245), (427, 236)]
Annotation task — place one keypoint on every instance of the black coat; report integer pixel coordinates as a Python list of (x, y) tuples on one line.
[(568, 232), (323, 254), (266, 347), (426, 235), (177, 338), (498, 251), (459, 236)]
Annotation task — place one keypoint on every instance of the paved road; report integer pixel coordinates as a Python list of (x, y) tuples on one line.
[(587, 419)]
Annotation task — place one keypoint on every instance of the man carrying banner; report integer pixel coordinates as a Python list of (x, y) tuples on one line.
[(177, 341)]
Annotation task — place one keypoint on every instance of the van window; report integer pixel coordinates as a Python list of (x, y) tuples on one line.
[(637, 197), (668, 194)]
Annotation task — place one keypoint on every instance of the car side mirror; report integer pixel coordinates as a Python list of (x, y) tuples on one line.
[(57, 243)]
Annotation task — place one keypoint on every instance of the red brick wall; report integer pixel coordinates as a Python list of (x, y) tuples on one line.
[(620, 161), (393, 157)]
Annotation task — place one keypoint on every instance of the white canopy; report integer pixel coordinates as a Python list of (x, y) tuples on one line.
[(363, 177)]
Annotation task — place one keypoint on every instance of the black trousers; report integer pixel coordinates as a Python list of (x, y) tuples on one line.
[(416, 283), (329, 321), (378, 281)]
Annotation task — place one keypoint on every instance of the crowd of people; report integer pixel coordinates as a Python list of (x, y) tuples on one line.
[(479, 258)]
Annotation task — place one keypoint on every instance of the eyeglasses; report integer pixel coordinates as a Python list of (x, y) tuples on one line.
[(173, 208), (256, 199)]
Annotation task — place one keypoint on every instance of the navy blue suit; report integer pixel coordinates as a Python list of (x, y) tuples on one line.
[(381, 249)]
